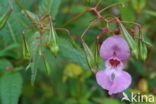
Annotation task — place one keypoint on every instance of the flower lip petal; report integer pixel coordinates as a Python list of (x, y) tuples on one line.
[(102, 78), (113, 80), (120, 83), (114, 46)]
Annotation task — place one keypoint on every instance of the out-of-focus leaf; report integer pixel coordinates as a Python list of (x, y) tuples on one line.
[(107, 101), (4, 65), (49, 7), (16, 20), (138, 68), (127, 13), (146, 40), (72, 70), (70, 101), (8, 50), (150, 12), (143, 85), (10, 88), (85, 102), (74, 90), (138, 5)]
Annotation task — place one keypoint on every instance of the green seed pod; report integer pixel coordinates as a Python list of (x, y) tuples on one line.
[(53, 42), (143, 51), (4, 18), (90, 57), (131, 42), (26, 51), (47, 67), (54, 48)]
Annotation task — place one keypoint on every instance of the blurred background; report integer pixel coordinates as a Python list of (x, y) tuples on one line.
[(69, 80)]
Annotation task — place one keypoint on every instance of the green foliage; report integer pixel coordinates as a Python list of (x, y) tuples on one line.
[(127, 13), (10, 88), (4, 65), (152, 13), (4, 18), (8, 51), (49, 7), (76, 55), (130, 40), (34, 49), (69, 80)]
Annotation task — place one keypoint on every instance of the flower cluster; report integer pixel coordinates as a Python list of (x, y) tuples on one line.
[(115, 51)]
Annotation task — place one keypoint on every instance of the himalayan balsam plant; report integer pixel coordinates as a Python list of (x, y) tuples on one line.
[(41, 37), (114, 51)]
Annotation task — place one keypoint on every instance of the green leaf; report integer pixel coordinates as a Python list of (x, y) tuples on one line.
[(16, 20), (70, 101), (75, 55), (134, 4), (127, 13), (107, 101), (4, 63), (8, 50), (138, 5), (34, 49), (142, 4), (49, 7), (10, 88)]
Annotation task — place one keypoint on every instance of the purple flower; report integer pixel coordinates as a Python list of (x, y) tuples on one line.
[(115, 51)]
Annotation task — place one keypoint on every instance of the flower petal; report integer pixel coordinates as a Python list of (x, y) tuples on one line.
[(103, 79), (120, 83), (115, 45)]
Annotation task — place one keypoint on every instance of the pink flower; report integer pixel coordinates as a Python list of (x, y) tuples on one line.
[(115, 51)]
